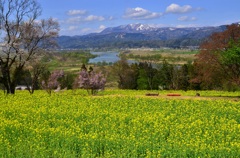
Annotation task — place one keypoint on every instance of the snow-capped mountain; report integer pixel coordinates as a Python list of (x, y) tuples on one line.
[(130, 28), (162, 33), (140, 35)]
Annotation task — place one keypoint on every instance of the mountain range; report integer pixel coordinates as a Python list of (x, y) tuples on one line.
[(138, 36)]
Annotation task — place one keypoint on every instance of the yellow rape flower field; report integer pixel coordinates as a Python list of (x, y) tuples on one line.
[(119, 123)]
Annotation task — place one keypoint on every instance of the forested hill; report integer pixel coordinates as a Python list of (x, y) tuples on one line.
[(139, 35)]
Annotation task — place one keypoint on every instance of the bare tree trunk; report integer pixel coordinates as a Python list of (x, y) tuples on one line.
[(24, 37), (7, 81)]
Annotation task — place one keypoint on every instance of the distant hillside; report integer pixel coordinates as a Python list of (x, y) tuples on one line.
[(139, 35)]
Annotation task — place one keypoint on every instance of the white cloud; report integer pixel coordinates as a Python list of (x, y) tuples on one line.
[(76, 30), (140, 14), (75, 19), (184, 26), (72, 28), (186, 18), (175, 8), (76, 12), (91, 30), (94, 18), (90, 18)]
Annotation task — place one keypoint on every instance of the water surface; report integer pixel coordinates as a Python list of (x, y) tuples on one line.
[(108, 57)]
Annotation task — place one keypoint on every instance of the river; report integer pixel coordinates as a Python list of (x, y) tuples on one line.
[(108, 57)]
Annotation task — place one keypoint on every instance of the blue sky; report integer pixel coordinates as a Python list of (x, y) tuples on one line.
[(78, 17)]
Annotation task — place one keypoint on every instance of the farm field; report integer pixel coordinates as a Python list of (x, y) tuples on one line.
[(173, 56), (120, 123)]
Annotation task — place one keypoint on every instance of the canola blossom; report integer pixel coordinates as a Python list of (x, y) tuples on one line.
[(74, 125)]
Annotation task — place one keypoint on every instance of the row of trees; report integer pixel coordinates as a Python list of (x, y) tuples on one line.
[(25, 38), (90, 80), (144, 76), (217, 66)]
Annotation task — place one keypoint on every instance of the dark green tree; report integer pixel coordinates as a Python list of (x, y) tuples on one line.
[(165, 75), (31, 77), (142, 81), (147, 78), (184, 77), (126, 74)]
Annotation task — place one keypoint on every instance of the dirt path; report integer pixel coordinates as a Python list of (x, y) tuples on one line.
[(237, 99)]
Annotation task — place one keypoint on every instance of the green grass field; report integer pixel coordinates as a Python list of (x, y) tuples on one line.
[(173, 56), (119, 123)]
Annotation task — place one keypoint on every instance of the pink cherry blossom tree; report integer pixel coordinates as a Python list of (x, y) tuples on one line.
[(52, 81), (91, 81)]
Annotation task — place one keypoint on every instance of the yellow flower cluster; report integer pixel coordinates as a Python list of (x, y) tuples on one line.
[(74, 125)]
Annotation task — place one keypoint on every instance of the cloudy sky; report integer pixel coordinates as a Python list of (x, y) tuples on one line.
[(78, 17)]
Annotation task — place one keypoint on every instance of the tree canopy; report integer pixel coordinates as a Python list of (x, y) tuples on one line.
[(218, 62), (24, 37)]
